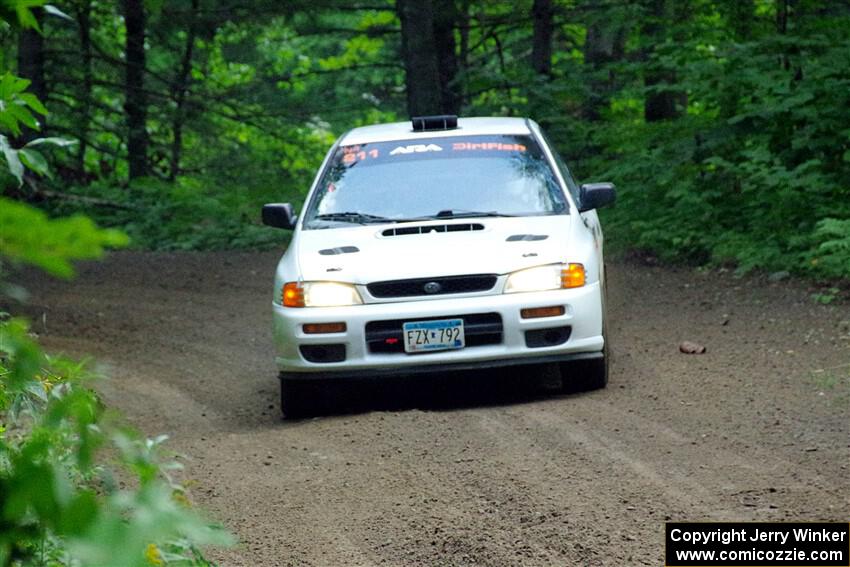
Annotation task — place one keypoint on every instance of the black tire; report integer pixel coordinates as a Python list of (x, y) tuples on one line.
[(298, 398), (585, 375), (592, 373)]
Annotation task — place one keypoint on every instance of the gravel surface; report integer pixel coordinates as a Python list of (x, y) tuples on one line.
[(470, 469)]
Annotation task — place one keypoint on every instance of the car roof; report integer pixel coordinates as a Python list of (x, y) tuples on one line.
[(465, 127)]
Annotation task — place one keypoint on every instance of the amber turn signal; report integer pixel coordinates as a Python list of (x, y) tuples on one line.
[(293, 295), (572, 276), (537, 312), (322, 328)]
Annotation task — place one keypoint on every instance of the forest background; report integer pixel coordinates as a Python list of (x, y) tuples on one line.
[(724, 123)]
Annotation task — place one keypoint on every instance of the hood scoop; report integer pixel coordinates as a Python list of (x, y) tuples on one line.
[(404, 230), (526, 237), (339, 250)]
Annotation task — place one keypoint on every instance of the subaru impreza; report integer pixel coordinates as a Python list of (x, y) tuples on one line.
[(440, 244)]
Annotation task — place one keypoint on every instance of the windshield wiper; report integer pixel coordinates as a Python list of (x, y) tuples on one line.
[(353, 217), (367, 218), (462, 213)]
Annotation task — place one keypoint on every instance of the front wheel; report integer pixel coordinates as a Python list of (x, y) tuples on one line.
[(592, 373), (298, 398), (585, 375)]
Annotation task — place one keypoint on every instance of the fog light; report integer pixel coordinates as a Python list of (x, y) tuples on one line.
[(537, 312), (323, 328)]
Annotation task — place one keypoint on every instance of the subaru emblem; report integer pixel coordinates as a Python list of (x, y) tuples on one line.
[(432, 287)]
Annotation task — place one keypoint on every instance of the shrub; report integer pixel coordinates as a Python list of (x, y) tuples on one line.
[(59, 503)]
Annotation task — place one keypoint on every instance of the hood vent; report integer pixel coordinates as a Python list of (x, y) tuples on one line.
[(339, 250), (403, 230), (527, 237)]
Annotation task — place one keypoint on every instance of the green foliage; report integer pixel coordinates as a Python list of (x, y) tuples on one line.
[(17, 110), (755, 173), (183, 215), (834, 381), (263, 106), (58, 505), (28, 236), (830, 249), (750, 172), (20, 12), (826, 297), (17, 105)]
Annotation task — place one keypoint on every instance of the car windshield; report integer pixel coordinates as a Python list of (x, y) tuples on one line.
[(446, 177)]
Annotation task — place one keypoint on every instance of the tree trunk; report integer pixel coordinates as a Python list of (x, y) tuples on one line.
[(445, 19), (782, 10), (540, 103), (135, 104), (782, 16), (465, 22), (181, 89), (740, 17), (31, 67), (84, 30), (541, 42), (420, 57), (662, 103), (604, 43)]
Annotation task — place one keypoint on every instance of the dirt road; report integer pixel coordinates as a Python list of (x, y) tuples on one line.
[(477, 469)]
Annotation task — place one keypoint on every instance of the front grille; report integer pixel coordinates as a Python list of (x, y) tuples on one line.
[(433, 286), (479, 329)]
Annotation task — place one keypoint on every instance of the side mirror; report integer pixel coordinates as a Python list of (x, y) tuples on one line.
[(279, 215), (596, 195)]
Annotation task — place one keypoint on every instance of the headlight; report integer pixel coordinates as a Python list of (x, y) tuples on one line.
[(542, 278), (319, 294)]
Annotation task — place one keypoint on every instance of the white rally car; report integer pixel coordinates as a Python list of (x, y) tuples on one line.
[(440, 244)]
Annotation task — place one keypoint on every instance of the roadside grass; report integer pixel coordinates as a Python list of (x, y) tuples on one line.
[(835, 380)]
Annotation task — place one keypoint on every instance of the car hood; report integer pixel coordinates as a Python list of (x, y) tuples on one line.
[(364, 254)]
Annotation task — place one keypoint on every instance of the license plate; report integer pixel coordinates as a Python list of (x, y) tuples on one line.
[(427, 336)]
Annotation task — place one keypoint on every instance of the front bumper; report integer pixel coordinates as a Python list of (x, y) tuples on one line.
[(582, 313)]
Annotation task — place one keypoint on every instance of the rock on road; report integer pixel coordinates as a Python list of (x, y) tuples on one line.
[(475, 468)]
